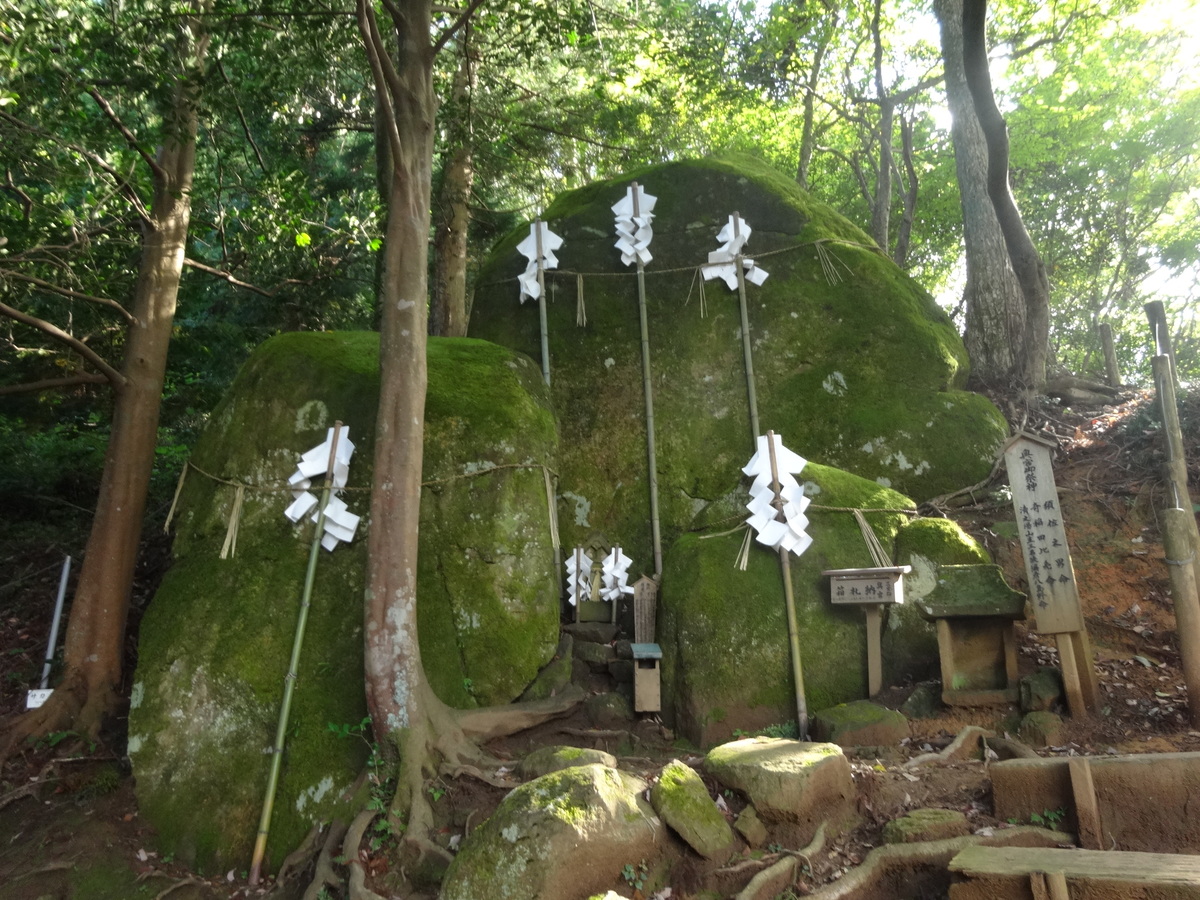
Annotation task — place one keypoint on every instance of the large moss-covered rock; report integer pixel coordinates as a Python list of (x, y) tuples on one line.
[(723, 630), (563, 836), (681, 799), (856, 365), (216, 640)]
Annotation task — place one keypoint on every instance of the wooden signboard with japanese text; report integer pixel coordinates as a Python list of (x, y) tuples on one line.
[(1052, 587)]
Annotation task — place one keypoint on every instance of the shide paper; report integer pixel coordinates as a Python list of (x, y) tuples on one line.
[(340, 523), (722, 262), (614, 576), (579, 577), (633, 231), (529, 249), (764, 519)]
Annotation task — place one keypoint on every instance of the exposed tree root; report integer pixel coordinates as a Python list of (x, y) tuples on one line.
[(500, 721), (325, 875), (350, 850), (297, 861), (183, 882), (72, 707)]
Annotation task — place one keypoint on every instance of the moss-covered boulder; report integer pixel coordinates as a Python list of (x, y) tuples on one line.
[(723, 630), (856, 365), (545, 760), (860, 723), (564, 836), (794, 782), (216, 640), (682, 801)]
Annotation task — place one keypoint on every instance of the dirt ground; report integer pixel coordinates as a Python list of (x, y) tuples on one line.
[(69, 825)]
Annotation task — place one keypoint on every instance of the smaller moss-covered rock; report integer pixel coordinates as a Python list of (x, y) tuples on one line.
[(972, 590), (611, 710), (750, 827), (1041, 690), (554, 759), (924, 702), (926, 825), (860, 724), (621, 671), (564, 836), (682, 801), (1041, 729), (795, 782)]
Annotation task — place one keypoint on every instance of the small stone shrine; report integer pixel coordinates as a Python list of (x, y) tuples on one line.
[(975, 611)]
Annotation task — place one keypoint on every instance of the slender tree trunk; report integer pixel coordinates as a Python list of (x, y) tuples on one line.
[(1026, 261), (95, 638), (995, 306), (881, 203), (912, 186), (448, 307), (808, 135)]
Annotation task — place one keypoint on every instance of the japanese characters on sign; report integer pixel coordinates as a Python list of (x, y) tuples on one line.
[(1052, 587), (879, 585)]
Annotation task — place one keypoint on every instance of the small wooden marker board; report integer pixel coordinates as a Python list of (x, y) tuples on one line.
[(1052, 586), (870, 589)]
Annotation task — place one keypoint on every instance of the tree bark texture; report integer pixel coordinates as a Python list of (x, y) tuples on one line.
[(995, 306), (95, 637), (448, 304), (393, 661), (1030, 368)]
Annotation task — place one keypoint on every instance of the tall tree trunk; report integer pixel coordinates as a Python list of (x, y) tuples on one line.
[(95, 638), (808, 133), (995, 306), (1026, 261), (448, 305)]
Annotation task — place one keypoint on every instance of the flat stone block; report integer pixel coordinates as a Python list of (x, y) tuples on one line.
[(860, 723), (973, 590)]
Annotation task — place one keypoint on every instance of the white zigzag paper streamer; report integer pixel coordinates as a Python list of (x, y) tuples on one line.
[(789, 533), (722, 262), (529, 249), (340, 523)]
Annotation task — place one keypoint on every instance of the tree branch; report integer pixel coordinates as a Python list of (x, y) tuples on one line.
[(53, 331), (387, 82), (67, 292), (112, 116), (237, 282), (242, 117), (47, 384), (455, 25)]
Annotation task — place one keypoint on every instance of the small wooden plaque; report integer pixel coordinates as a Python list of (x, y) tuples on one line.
[(853, 587)]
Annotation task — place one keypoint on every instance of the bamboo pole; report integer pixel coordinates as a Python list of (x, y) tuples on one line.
[(541, 281), (648, 389), (289, 681), (789, 601), (747, 351), (1180, 538)]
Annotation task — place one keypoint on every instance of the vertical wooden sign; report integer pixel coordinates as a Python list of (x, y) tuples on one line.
[(1052, 586)]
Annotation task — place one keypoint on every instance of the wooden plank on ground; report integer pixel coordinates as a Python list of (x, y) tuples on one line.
[(1082, 865)]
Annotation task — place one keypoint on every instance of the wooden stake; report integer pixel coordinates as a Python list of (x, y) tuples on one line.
[(1110, 355), (1087, 810), (788, 597), (874, 649), (1072, 683)]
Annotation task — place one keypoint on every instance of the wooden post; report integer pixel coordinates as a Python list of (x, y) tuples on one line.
[(786, 569), (1087, 810), (1048, 567), (1110, 355), (874, 649)]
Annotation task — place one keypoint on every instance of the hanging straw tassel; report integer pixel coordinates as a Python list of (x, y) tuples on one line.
[(743, 557), (175, 499), (878, 554), (580, 309), (235, 514), (554, 540)]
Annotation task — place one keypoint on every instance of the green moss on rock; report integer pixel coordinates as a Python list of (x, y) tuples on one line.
[(215, 642), (682, 801), (860, 723)]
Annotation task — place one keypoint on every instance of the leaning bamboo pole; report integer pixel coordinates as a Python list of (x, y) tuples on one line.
[(289, 681), (541, 283), (789, 600), (747, 347)]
